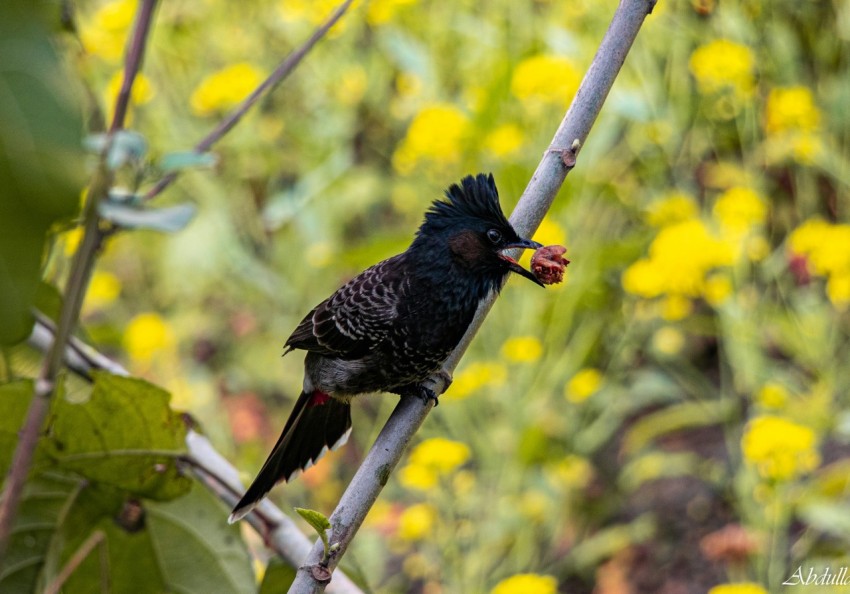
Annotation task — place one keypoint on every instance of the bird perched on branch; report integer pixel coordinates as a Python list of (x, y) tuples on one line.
[(392, 326)]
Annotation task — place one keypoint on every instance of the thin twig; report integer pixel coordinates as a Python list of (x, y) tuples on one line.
[(75, 291), (538, 196), (211, 468), (283, 70), (95, 539)]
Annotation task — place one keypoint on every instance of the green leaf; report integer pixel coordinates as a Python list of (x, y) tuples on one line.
[(124, 435), (196, 548), (127, 215), (15, 400), (44, 503), (674, 418), (278, 577), (592, 550), (186, 159), (41, 161), (319, 522)]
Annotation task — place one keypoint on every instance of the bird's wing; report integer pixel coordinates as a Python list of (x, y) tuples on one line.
[(356, 318)]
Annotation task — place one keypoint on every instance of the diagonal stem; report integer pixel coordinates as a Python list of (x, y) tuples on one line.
[(281, 72), (538, 196)]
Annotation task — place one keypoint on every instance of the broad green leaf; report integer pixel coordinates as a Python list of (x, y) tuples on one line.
[(15, 400), (196, 548), (41, 161), (124, 435), (169, 219), (132, 564), (278, 577), (44, 503), (185, 160)]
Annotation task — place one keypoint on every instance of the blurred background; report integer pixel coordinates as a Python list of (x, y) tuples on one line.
[(671, 419)]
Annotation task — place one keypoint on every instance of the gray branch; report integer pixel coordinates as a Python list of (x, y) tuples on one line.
[(538, 196), (203, 461)]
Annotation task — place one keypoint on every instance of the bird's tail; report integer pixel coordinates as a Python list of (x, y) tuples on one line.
[(317, 423)]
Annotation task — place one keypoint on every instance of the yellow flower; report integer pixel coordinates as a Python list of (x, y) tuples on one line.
[(738, 209), (717, 289), (430, 460), (779, 449), (475, 376), (527, 583), (418, 477), (584, 384), (838, 290), (142, 92), (545, 79), (522, 349), (675, 307), (679, 258), (314, 12), (791, 109), (352, 85), (739, 588), (572, 472), (225, 88), (380, 12), (504, 140), (668, 341), (443, 455), (71, 241), (319, 254), (772, 395), (147, 335), (673, 208), (724, 65), (104, 288), (826, 245), (534, 505), (105, 34), (417, 521), (806, 147), (436, 135)]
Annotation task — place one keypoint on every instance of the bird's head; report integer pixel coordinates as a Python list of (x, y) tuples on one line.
[(471, 223)]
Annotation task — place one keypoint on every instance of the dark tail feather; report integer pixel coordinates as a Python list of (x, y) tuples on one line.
[(317, 423)]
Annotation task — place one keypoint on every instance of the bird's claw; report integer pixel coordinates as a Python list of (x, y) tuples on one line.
[(425, 394)]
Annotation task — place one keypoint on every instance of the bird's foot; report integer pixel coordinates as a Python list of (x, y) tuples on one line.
[(424, 393), (426, 390)]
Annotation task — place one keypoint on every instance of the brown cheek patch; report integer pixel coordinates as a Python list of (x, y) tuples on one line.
[(466, 247)]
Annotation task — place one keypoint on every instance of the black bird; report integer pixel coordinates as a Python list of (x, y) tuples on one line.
[(393, 325)]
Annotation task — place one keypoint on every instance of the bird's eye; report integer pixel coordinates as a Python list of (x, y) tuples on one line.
[(494, 235)]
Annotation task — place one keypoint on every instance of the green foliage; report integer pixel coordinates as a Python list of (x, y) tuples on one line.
[(123, 435), (41, 170), (319, 522)]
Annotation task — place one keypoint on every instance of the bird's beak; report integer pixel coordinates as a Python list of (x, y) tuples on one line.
[(524, 244)]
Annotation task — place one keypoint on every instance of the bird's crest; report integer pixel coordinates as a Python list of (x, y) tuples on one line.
[(475, 197)]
